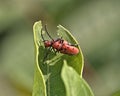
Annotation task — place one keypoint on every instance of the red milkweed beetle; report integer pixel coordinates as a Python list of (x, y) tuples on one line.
[(59, 45)]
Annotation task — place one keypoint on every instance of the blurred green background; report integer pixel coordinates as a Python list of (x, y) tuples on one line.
[(94, 23)]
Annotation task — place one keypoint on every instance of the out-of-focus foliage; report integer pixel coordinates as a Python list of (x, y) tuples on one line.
[(116, 93), (94, 23)]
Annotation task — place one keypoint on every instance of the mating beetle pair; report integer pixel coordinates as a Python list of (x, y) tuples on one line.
[(59, 45)]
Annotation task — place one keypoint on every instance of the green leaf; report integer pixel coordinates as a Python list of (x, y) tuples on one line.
[(76, 61), (49, 72), (75, 85), (39, 83)]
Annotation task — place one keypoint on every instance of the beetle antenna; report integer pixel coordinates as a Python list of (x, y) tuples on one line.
[(48, 33)]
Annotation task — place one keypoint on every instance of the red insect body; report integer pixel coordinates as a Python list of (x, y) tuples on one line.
[(47, 43), (57, 45), (70, 50), (60, 45)]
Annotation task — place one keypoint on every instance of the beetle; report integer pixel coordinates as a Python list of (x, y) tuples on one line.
[(59, 45)]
